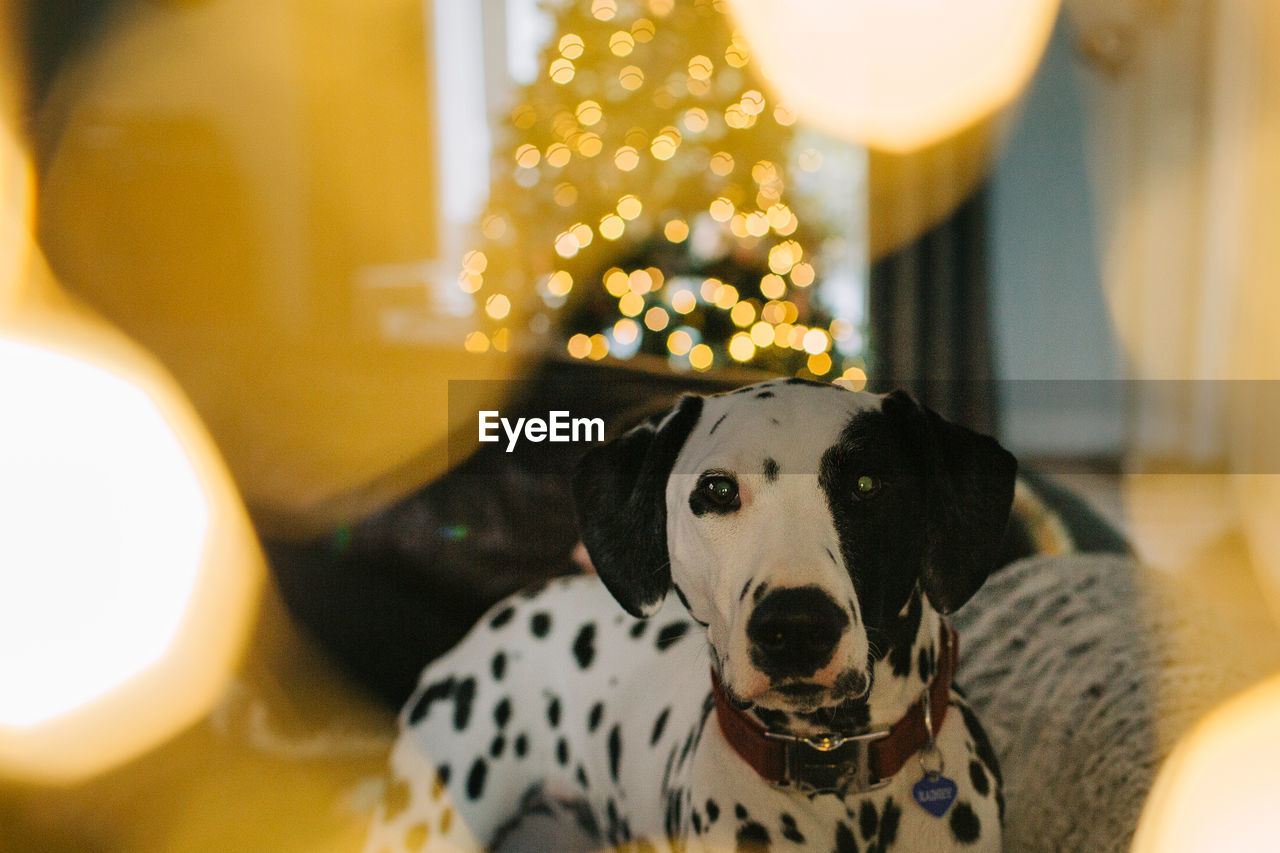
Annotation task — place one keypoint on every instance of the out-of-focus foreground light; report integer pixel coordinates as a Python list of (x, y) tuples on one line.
[(102, 522), (1217, 790), (129, 573), (896, 74)]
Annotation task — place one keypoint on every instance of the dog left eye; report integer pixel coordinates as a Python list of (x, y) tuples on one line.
[(866, 486), (722, 491)]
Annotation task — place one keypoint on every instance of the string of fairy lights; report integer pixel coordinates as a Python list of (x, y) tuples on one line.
[(643, 192)]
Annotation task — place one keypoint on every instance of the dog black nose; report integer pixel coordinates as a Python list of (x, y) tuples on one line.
[(794, 632)]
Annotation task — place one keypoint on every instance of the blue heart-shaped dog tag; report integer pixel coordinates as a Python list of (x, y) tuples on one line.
[(935, 793)]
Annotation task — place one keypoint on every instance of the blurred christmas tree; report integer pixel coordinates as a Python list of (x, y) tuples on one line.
[(643, 190)]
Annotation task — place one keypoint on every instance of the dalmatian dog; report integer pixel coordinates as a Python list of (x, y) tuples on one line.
[(781, 678)]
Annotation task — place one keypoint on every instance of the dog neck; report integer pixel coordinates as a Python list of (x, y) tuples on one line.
[(905, 670)]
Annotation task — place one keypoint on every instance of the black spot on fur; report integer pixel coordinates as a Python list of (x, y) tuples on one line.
[(759, 593), (659, 725), (444, 772), (581, 775), (502, 617), (584, 646), (889, 823), (540, 624), (746, 586), (740, 811), (637, 630), (770, 470), (497, 746), (713, 811), (475, 779), (716, 425), (502, 711), (796, 380), (594, 716), (553, 711), (615, 751), (697, 822), (671, 634), (498, 666), (462, 703), (521, 745), (868, 820), (432, 693), (981, 745), (845, 842), (790, 831), (901, 634), (978, 776), (764, 395), (753, 838), (965, 825), (562, 752)]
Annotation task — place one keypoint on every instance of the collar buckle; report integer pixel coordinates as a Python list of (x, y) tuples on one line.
[(827, 763)]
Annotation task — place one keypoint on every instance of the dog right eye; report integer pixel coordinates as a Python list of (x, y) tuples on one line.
[(721, 491)]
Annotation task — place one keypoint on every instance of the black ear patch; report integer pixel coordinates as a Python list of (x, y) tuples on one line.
[(968, 491), (620, 493)]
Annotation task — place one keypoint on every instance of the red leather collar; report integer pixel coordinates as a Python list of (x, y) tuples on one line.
[(837, 763)]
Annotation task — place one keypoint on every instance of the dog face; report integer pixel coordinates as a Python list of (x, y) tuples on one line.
[(795, 520)]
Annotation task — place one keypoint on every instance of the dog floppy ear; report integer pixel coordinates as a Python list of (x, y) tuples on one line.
[(620, 493), (968, 490)]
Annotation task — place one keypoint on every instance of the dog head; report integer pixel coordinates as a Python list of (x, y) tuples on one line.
[(795, 520)]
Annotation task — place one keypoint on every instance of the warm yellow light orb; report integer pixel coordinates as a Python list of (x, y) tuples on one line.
[(819, 364), (762, 334), (497, 306), (772, 286), (622, 43), (579, 346), (695, 120), (802, 274), (726, 296), (629, 207), (476, 342), (589, 113), (656, 318), (626, 158), (679, 342), (896, 76), (560, 283), (741, 347), (612, 226), (677, 231), (604, 10), (630, 305), (571, 46), (561, 71), (701, 357), (631, 77), (625, 331)]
